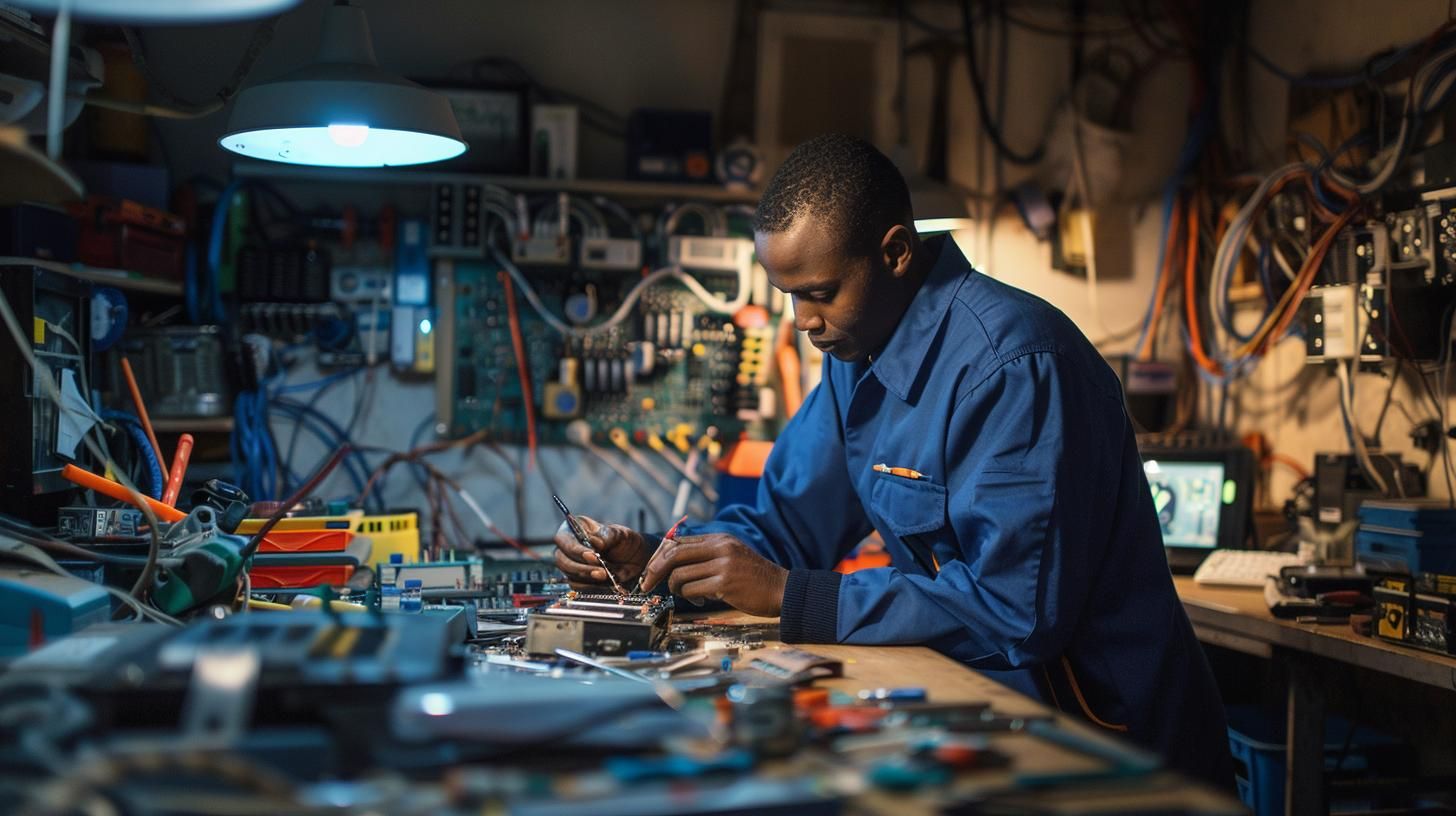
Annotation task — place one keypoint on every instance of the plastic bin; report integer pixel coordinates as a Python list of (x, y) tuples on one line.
[(1256, 740)]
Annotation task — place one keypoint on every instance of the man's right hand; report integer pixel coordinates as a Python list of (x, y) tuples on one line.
[(624, 550)]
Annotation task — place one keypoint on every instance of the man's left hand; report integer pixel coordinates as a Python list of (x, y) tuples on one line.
[(720, 567)]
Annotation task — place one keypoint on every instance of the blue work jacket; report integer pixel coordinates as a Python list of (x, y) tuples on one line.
[(1024, 543)]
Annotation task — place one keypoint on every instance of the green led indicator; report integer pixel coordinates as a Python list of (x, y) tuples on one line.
[(1230, 491)]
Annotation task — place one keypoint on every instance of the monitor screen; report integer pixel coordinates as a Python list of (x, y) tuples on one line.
[(1189, 498)]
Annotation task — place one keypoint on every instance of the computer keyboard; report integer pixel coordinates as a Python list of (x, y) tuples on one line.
[(1247, 568)]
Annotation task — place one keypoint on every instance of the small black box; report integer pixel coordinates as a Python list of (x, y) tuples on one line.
[(38, 231), (670, 145)]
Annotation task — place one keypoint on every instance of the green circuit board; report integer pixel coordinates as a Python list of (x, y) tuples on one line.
[(693, 378)]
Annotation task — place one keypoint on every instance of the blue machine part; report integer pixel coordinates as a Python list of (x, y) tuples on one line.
[(37, 606)]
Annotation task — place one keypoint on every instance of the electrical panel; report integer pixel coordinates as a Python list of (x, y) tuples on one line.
[(1388, 286)]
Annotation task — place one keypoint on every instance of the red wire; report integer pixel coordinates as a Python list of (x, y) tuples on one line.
[(522, 366)]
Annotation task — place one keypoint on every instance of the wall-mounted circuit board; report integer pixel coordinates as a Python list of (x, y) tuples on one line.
[(671, 365)]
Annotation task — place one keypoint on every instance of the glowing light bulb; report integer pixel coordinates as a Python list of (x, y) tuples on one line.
[(348, 135)]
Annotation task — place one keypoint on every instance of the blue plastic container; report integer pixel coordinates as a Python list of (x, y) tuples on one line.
[(1409, 551), (1256, 740)]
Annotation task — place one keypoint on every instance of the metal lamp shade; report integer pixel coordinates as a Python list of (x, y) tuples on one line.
[(343, 110)]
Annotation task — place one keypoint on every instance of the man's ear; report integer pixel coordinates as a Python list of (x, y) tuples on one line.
[(896, 250)]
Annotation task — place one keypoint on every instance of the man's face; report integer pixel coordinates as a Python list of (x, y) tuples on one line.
[(848, 304)]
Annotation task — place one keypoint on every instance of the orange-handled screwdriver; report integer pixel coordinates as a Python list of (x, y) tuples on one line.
[(179, 469)]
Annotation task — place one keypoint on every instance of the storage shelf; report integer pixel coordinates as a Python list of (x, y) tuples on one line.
[(120, 278), (636, 190), (222, 424)]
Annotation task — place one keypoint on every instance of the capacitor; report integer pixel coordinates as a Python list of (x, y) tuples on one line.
[(644, 359), (567, 370), (674, 330), (581, 307), (604, 375), (662, 336), (589, 377), (619, 375)]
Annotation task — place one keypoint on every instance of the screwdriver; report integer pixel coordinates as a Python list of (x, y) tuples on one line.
[(581, 539), (671, 534)]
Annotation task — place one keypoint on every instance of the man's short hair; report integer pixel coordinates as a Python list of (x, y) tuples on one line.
[(843, 180)]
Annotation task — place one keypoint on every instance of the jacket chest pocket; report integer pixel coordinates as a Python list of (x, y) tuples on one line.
[(910, 509)]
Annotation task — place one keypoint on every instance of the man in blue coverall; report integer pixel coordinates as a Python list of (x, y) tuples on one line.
[(982, 435)]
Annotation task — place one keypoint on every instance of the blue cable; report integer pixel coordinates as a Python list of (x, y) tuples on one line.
[(319, 430), (319, 383), (156, 481), (336, 435), (214, 250), (190, 283), (1372, 70)]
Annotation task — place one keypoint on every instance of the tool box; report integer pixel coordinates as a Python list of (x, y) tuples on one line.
[(1410, 536)]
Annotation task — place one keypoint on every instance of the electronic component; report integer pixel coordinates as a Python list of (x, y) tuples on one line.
[(670, 145), (623, 254), (1340, 485), (457, 221), (305, 658), (705, 252), (599, 624), (547, 250), (39, 440), (553, 141), (37, 606), (432, 574), (283, 274), (795, 665), (90, 524), (1385, 281), (412, 342), (361, 284)]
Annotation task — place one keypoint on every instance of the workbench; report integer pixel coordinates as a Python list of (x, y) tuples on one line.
[(949, 681), (1238, 618)]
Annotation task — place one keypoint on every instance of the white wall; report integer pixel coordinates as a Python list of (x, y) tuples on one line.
[(674, 54)]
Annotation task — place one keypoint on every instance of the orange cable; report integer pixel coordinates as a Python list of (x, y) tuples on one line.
[(1150, 342), (1190, 294), (522, 365), (141, 408)]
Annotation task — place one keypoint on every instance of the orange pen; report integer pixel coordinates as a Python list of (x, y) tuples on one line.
[(106, 487), (179, 469), (905, 473)]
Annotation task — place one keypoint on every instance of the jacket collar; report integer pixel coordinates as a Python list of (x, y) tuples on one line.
[(898, 365)]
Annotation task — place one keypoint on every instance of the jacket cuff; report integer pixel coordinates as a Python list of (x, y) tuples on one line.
[(810, 612)]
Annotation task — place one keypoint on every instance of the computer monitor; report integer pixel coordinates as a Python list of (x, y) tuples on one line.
[(1203, 499)]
